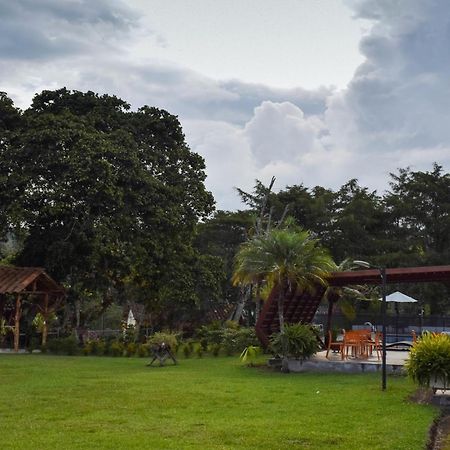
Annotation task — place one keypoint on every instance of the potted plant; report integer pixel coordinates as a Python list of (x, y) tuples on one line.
[(429, 361), (298, 341)]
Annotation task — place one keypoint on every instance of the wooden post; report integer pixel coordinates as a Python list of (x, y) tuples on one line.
[(46, 319), (2, 307), (17, 315), (2, 304)]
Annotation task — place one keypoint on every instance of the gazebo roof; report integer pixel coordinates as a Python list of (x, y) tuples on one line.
[(15, 280)]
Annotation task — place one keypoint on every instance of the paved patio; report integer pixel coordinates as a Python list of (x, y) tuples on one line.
[(395, 360)]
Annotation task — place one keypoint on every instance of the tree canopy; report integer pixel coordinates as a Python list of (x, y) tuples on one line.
[(406, 226), (107, 199)]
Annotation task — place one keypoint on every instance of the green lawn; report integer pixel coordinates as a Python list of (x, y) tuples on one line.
[(56, 402)]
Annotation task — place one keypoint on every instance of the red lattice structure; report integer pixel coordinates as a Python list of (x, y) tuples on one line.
[(301, 306)]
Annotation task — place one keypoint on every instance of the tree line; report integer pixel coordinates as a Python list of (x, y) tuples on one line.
[(112, 203), (408, 225)]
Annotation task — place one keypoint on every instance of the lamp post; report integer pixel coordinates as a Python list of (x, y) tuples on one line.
[(382, 270), (383, 325)]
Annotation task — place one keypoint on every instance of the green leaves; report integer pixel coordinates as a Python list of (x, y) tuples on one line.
[(297, 341), (283, 257), (105, 198), (430, 356)]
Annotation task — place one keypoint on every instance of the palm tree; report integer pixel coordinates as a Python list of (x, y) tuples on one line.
[(286, 260)]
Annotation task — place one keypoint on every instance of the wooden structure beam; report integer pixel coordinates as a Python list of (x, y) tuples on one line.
[(29, 284), (302, 306)]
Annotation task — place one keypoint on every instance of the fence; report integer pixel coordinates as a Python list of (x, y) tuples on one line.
[(397, 327)]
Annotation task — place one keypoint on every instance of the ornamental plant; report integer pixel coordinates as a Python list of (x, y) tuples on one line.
[(430, 359), (298, 341), (164, 337)]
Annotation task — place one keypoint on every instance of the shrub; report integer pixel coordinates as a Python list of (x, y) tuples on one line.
[(53, 346), (67, 346), (298, 340), (199, 350), (34, 344), (142, 350), (214, 349), (130, 349), (210, 334), (168, 338), (95, 347), (250, 354), (236, 340), (430, 357), (116, 348), (188, 348)]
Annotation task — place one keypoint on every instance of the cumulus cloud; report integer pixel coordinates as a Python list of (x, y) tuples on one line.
[(278, 140), (398, 98), (393, 113), (50, 29)]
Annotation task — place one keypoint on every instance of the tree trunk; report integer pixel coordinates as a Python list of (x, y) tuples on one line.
[(46, 319), (77, 305), (257, 301), (284, 358), (332, 299), (243, 297), (44, 332), (329, 316), (281, 310), (17, 323)]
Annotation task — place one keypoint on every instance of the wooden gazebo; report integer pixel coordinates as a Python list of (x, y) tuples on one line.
[(302, 306), (28, 284)]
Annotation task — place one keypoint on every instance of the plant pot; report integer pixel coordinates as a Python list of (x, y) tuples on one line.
[(439, 383)]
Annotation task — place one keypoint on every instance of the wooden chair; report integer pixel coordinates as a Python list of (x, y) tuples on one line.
[(375, 344), (351, 344), (334, 346)]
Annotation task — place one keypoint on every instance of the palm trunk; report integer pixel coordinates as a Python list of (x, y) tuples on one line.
[(284, 358), (281, 310), (257, 301), (243, 297)]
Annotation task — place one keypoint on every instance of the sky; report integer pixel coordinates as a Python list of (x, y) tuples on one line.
[(309, 91)]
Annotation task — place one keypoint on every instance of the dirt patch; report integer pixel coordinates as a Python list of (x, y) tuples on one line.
[(422, 396), (440, 432)]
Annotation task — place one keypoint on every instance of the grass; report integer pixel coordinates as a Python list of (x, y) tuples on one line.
[(110, 403)]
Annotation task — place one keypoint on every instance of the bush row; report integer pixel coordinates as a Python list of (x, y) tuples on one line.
[(225, 341)]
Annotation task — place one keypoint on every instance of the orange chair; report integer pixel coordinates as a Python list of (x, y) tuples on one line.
[(352, 343), (375, 343), (334, 346)]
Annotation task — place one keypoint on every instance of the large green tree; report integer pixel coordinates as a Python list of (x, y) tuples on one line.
[(418, 211), (102, 196)]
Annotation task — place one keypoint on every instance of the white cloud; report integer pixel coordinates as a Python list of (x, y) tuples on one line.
[(394, 112)]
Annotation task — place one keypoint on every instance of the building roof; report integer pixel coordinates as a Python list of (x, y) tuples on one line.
[(15, 280)]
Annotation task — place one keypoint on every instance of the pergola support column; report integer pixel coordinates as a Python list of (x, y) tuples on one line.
[(46, 319)]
